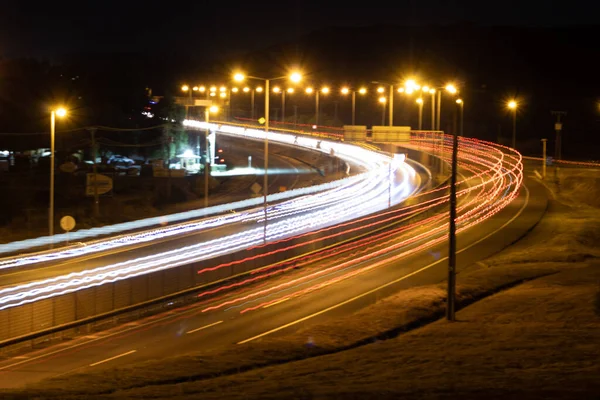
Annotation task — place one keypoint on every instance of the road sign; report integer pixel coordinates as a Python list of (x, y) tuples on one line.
[(103, 183), (261, 120), (391, 134), (67, 223), (256, 188), (558, 126)]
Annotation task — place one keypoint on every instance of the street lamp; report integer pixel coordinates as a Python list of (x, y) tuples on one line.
[(294, 77), (461, 107), (61, 113), (513, 105), (188, 90), (345, 91), (207, 111), (382, 100), (325, 90), (252, 91), (450, 88), (432, 93), (420, 104), (277, 89)]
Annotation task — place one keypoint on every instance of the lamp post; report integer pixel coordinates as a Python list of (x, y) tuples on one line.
[(381, 90), (283, 92), (420, 105), (294, 77), (59, 112), (188, 90), (461, 108), (310, 90), (345, 91), (450, 88), (383, 101), (251, 91), (432, 93), (513, 105), (207, 111)]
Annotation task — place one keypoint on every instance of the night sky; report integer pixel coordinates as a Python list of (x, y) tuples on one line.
[(50, 29)]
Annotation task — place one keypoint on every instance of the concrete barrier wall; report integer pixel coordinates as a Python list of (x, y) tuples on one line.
[(59, 310)]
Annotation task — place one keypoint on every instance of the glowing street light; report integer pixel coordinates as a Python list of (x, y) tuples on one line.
[(345, 91), (60, 112), (513, 105), (309, 90), (382, 100), (294, 77), (420, 104), (451, 88), (234, 90), (461, 107)]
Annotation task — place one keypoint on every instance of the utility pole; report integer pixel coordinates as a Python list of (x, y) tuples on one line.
[(96, 208), (544, 158), (391, 110), (558, 129), (451, 297)]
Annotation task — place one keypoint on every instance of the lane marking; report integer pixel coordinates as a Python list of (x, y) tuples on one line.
[(204, 327), (333, 307), (113, 358), (277, 302)]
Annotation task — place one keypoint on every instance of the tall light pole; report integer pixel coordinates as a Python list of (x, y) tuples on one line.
[(461, 108), (381, 90), (294, 77), (59, 112), (513, 105), (382, 100), (345, 91), (288, 91), (451, 295), (450, 88), (325, 90), (251, 91), (420, 105), (188, 90), (207, 111), (432, 93)]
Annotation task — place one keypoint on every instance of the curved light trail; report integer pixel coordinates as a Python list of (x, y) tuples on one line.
[(492, 179), (348, 198)]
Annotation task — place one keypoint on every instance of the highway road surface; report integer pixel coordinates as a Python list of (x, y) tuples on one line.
[(264, 311), (494, 210)]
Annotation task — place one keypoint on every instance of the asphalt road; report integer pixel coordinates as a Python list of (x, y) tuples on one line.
[(190, 329)]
